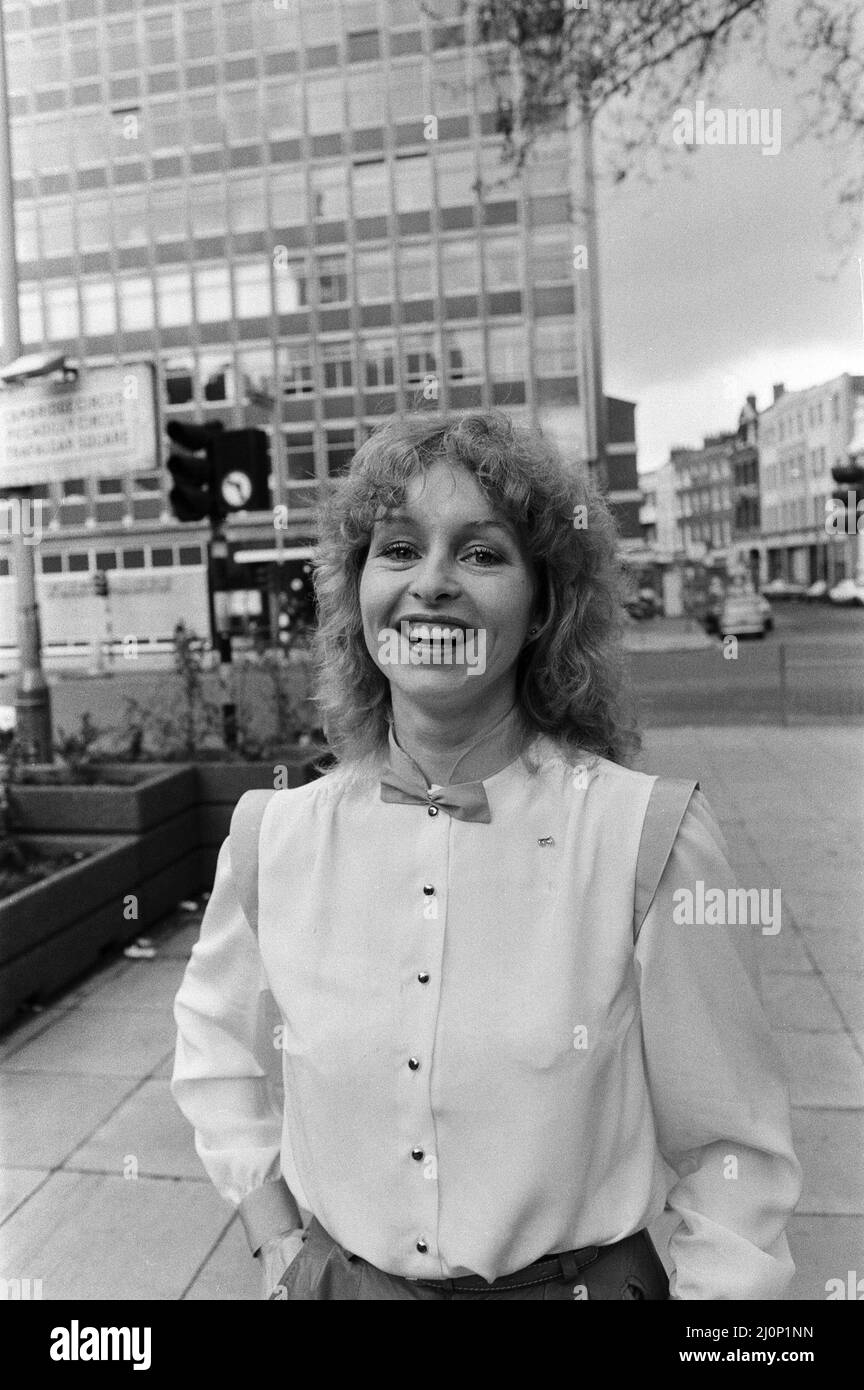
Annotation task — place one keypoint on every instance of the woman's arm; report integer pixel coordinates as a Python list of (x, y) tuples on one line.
[(227, 1067), (717, 1084)]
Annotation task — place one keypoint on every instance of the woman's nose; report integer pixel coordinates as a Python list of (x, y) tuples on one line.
[(435, 577)]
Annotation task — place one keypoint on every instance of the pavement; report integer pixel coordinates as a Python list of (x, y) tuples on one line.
[(102, 1195), (663, 634)]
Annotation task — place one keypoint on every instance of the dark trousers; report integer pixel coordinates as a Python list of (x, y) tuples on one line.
[(629, 1269)]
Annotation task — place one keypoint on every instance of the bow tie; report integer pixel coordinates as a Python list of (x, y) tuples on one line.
[(463, 800)]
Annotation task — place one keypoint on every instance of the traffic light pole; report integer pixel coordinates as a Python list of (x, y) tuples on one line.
[(32, 696)]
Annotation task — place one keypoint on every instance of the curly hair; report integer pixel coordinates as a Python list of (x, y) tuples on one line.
[(569, 678)]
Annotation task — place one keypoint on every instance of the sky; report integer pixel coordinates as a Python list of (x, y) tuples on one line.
[(722, 278)]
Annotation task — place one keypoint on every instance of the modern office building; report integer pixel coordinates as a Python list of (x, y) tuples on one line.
[(299, 213)]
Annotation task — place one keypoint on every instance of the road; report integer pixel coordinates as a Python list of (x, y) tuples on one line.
[(824, 651)]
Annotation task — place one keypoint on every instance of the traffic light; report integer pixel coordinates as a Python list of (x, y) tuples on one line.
[(217, 471), (100, 584), (190, 464), (847, 499), (241, 471)]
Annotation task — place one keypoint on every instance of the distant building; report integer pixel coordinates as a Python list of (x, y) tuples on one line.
[(802, 436), (746, 508), (703, 492)]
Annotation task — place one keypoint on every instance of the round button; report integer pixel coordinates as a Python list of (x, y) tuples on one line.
[(433, 811), (413, 1063), (417, 1155), (428, 889), (423, 977), (422, 1247)]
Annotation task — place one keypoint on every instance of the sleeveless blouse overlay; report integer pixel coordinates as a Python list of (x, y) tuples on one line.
[(563, 1086)]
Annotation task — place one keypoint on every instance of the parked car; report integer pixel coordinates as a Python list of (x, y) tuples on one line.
[(818, 592), (847, 592), (783, 588), (742, 616), (766, 611)]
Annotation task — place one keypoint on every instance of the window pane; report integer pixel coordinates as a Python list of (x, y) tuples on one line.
[(332, 275), (320, 22), (57, 232), (30, 310), (416, 276), (85, 52), (337, 366), (324, 105), (507, 354), (503, 269), (216, 373), (460, 267), (255, 371), (364, 98), (456, 177), (329, 193), (94, 223), (168, 212), (464, 355), (208, 208), (281, 112), (130, 214), (418, 359), (179, 373), (413, 184), (100, 312), (551, 262), (371, 190), (252, 290), (174, 290), (50, 145), (451, 93), (288, 204), (291, 286), (213, 294), (203, 121), (378, 356), (295, 369), (374, 276), (407, 102), (555, 350), (247, 203), (242, 119), (61, 312), (136, 303)]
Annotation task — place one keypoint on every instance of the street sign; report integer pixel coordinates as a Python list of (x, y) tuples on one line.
[(102, 424)]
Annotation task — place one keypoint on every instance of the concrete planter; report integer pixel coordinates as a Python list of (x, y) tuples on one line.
[(53, 931), (220, 787), (134, 800)]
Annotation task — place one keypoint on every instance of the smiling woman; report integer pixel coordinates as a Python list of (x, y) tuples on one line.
[(473, 1051)]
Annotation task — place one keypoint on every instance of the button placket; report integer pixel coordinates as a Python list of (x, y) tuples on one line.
[(421, 964)]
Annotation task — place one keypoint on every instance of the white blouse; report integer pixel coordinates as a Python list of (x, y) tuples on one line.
[(478, 1067)]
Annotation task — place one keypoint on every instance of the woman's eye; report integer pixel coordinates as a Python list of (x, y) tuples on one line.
[(483, 554), (392, 551)]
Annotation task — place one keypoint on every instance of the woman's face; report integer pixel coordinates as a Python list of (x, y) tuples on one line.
[(445, 556)]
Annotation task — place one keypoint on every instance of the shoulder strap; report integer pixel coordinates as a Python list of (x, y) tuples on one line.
[(663, 816), (244, 834)]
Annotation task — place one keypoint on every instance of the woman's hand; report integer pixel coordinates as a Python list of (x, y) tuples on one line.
[(276, 1255)]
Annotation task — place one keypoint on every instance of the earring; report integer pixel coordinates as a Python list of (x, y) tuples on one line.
[(532, 631)]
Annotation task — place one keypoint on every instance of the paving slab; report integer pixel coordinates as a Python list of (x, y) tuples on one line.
[(16, 1185), (823, 1248), (147, 1129), (230, 1273), (830, 1148), (98, 1042), (91, 1236), (824, 1070), (43, 1118), (145, 984)]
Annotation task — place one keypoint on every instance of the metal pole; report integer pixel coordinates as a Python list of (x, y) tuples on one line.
[(32, 696), (592, 337)]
